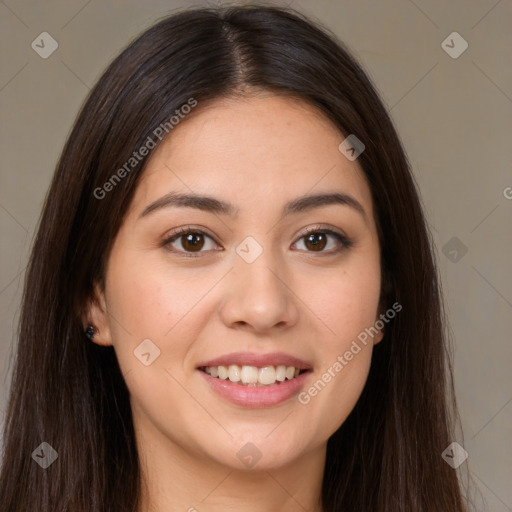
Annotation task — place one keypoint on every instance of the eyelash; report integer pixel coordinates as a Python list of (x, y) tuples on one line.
[(346, 243)]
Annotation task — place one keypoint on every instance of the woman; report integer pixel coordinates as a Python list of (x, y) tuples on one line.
[(232, 301)]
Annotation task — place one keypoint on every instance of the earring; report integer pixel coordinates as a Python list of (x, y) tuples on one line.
[(90, 331)]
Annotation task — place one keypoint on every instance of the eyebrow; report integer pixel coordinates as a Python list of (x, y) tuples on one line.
[(216, 206)]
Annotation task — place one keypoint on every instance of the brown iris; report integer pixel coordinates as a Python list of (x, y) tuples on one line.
[(317, 241), (192, 242)]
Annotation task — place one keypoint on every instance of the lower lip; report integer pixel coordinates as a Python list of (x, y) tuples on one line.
[(256, 396)]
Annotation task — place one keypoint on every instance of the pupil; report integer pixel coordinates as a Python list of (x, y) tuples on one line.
[(318, 241), (193, 241)]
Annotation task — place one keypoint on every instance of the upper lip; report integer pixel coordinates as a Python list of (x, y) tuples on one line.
[(259, 360)]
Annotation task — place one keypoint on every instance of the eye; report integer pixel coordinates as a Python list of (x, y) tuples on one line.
[(316, 240), (188, 241)]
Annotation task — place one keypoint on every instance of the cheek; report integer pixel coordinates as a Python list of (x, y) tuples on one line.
[(150, 296), (159, 309), (346, 302), (343, 365), (150, 299)]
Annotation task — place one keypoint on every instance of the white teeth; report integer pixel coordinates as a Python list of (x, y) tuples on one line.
[(223, 372), (234, 373), (267, 375), (249, 375), (253, 375), (281, 373)]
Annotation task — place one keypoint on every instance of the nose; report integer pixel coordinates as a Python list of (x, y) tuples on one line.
[(259, 297)]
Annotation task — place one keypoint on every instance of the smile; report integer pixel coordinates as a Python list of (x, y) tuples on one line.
[(254, 376)]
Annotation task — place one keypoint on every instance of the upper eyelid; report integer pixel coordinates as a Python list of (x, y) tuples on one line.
[(203, 230), (188, 229)]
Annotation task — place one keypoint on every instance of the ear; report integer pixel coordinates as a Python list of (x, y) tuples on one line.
[(380, 325), (378, 338), (96, 314)]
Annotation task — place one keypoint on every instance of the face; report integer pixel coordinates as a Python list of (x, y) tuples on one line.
[(277, 266)]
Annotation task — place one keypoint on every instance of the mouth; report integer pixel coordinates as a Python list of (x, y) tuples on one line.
[(255, 380), (254, 376), (249, 379)]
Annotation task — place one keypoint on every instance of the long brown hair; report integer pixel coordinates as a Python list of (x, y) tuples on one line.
[(70, 393)]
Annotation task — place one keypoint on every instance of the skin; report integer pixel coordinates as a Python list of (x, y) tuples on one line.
[(258, 152)]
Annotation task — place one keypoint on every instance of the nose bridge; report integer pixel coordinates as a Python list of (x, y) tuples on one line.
[(258, 273), (263, 275), (259, 295)]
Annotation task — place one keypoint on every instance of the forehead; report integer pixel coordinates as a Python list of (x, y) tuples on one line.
[(257, 151)]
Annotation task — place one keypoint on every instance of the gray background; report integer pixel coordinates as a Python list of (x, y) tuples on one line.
[(453, 115)]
